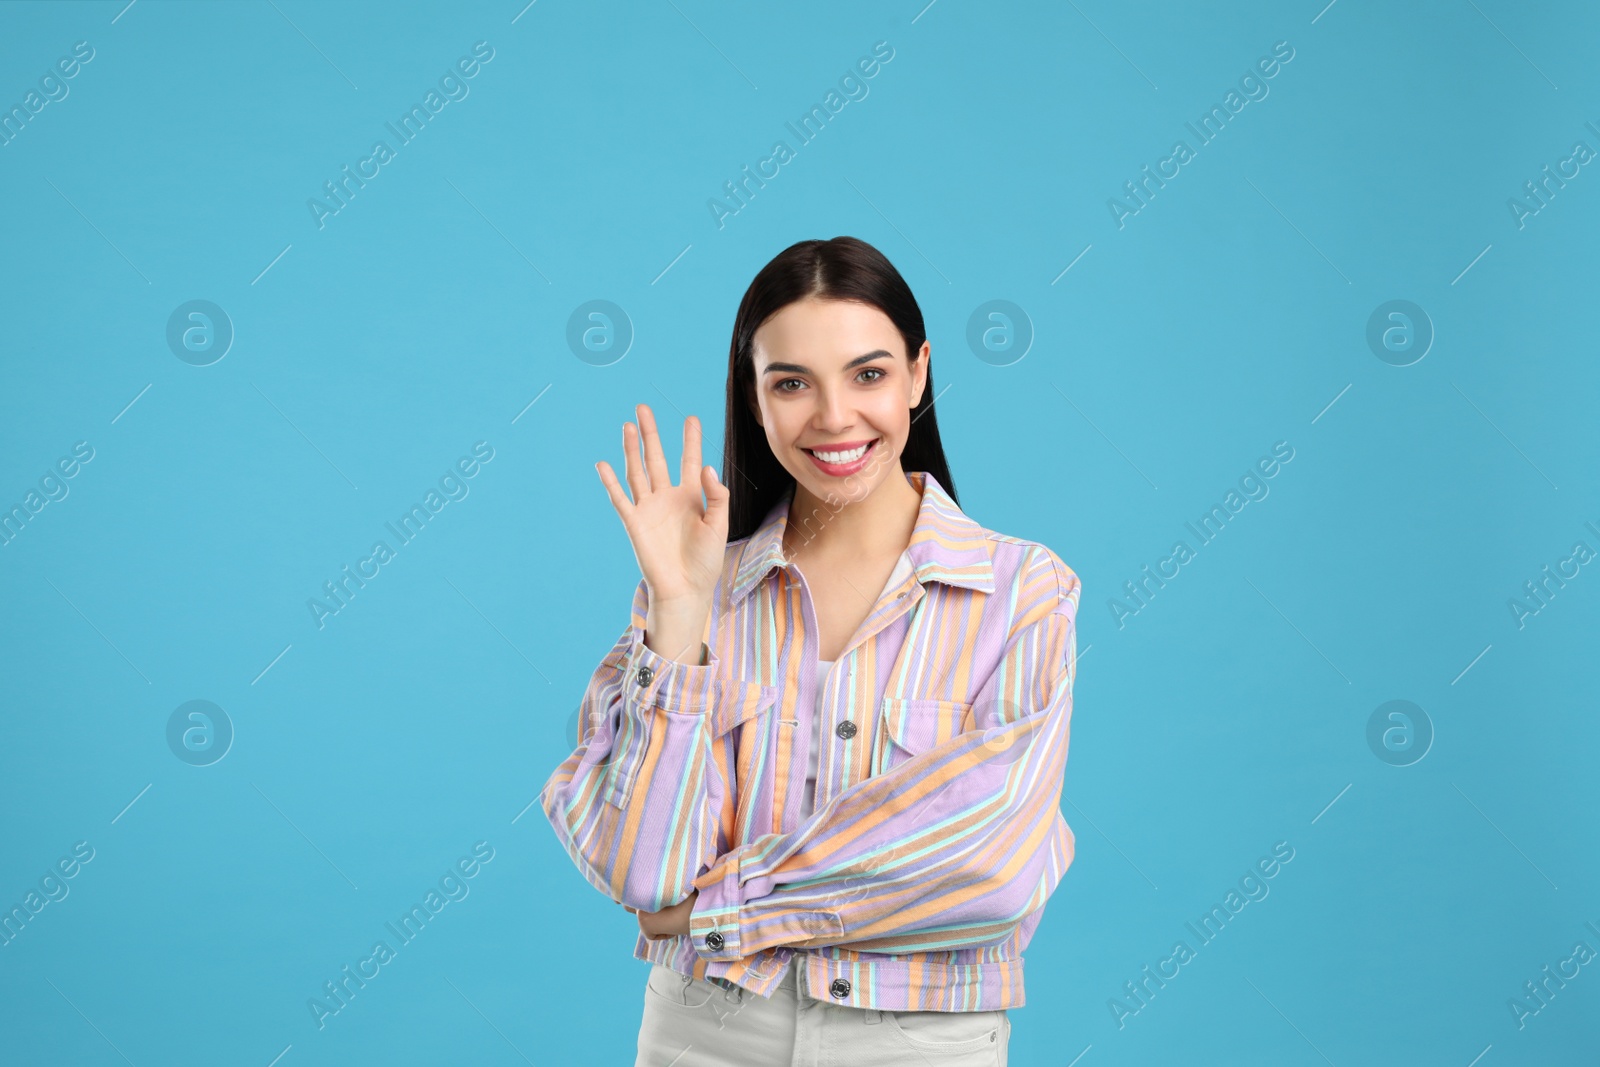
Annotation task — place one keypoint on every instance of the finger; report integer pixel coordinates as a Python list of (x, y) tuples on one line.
[(632, 911), (717, 497), (655, 460), (619, 499), (689, 468), (638, 482)]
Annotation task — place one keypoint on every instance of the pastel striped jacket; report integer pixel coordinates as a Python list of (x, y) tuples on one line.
[(937, 834)]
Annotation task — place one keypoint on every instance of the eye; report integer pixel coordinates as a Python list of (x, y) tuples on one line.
[(881, 374), (780, 386)]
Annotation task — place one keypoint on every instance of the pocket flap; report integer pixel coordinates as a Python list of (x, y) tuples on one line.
[(738, 700), (918, 725)]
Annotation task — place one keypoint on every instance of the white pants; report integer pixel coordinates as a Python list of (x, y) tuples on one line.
[(690, 1022)]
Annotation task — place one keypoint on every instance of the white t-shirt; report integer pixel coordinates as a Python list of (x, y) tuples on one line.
[(808, 801), (902, 567)]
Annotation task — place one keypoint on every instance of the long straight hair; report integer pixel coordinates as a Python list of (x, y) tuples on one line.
[(844, 268)]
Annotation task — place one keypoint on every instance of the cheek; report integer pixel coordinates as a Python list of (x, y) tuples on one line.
[(892, 414), (785, 422)]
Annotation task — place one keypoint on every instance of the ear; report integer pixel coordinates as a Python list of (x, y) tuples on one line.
[(919, 373)]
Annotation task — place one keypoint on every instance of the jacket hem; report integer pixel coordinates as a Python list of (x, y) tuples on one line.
[(876, 982)]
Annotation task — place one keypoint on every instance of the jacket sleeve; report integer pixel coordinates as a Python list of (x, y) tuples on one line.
[(635, 805), (953, 848)]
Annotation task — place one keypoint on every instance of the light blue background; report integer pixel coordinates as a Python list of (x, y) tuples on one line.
[(1227, 315)]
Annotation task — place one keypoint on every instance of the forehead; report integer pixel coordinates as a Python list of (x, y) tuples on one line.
[(824, 330)]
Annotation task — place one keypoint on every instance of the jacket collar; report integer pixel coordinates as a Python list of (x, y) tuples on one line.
[(946, 546)]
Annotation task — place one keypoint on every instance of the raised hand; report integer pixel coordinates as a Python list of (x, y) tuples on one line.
[(678, 543)]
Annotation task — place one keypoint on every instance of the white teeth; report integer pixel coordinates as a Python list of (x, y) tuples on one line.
[(842, 457)]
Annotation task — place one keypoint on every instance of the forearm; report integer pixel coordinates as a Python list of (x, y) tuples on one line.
[(635, 805), (936, 871), (630, 804)]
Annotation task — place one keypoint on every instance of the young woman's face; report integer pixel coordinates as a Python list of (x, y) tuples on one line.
[(831, 376)]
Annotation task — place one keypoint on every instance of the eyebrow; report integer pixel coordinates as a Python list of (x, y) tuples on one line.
[(795, 368)]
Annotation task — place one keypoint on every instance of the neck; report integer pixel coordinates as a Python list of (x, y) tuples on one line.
[(876, 526)]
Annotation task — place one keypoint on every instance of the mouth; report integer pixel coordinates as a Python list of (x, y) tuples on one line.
[(840, 460)]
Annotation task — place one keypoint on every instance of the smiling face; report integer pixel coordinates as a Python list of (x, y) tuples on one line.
[(834, 392)]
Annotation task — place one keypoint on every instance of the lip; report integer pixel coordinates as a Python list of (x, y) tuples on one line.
[(841, 470)]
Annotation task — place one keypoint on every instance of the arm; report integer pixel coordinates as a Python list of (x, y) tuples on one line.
[(953, 848), (635, 805)]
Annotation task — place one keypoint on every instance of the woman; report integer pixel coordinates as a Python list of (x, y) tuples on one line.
[(824, 763)]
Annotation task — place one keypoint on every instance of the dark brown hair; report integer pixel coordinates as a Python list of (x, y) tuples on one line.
[(844, 268)]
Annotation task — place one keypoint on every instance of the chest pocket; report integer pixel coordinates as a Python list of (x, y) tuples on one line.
[(739, 701), (745, 715), (909, 727), (736, 703)]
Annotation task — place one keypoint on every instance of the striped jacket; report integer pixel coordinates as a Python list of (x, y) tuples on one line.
[(937, 834)]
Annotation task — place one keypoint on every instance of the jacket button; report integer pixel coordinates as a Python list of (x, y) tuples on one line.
[(840, 988), (645, 674), (846, 729), (714, 941)]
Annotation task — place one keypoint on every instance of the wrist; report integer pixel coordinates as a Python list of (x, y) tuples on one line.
[(677, 632), (687, 653), (677, 678), (688, 614)]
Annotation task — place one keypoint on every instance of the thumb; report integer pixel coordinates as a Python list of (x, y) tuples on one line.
[(717, 494)]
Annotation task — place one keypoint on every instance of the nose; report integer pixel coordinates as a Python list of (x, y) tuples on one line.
[(833, 413)]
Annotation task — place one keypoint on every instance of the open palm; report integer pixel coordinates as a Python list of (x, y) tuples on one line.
[(678, 542)]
